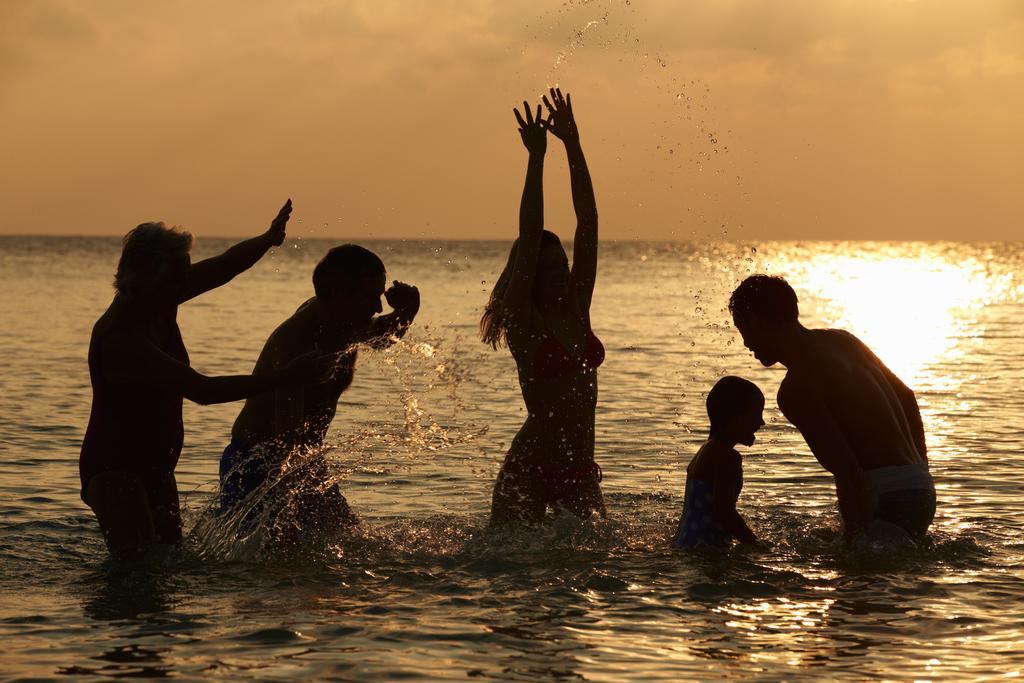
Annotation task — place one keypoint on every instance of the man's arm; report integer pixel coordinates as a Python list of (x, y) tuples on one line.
[(385, 329), (219, 270), (803, 406)]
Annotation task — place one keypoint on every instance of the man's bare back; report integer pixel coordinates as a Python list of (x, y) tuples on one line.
[(861, 422), (842, 380), (349, 283), (298, 414)]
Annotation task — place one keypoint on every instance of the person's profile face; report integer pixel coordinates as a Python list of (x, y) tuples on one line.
[(552, 272), (747, 422), (173, 281), (364, 302), (756, 340)]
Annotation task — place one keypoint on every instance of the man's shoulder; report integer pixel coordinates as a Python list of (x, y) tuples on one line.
[(842, 340), (834, 335), (294, 336)]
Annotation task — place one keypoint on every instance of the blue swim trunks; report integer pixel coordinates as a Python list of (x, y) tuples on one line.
[(241, 473), (304, 494)]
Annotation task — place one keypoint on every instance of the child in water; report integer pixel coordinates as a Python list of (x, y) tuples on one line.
[(714, 477)]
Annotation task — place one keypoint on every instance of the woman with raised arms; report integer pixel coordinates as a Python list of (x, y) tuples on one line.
[(540, 309)]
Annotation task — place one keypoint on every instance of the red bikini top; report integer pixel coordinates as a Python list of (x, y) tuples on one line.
[(552, 358)]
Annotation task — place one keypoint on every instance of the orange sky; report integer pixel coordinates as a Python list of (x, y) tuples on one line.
[(835, 119)]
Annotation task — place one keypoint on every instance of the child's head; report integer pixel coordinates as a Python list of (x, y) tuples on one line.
[(734, 408)]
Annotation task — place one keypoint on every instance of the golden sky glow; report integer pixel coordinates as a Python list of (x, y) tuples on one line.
[(835, 119)]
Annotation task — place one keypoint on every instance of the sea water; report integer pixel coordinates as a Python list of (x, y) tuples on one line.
[(423, 589)]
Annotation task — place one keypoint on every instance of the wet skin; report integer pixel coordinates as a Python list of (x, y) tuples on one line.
[(854, 413)]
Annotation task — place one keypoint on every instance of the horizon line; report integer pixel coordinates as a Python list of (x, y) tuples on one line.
[(605, 240)]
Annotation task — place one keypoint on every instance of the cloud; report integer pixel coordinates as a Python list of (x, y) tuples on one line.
[(32, 32)]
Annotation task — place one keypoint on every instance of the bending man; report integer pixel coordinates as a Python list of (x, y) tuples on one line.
[(861, 422)]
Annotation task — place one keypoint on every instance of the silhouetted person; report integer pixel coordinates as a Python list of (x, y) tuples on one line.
[(293, 420), (861, 422), (714, 478), (541, 310), (140, 373)]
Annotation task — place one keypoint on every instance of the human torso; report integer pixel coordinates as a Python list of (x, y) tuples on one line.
[(133, 426), (697, 525), (861, 400), (558, 377), (256, 421)]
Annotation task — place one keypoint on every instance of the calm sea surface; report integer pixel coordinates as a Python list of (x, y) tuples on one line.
[(423, 590)]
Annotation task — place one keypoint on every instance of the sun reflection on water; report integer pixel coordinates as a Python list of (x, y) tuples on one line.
[(912, 309)]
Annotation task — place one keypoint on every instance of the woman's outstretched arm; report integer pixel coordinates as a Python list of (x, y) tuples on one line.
[(518, 296), (138, 360), (219, 270), (562, 124)]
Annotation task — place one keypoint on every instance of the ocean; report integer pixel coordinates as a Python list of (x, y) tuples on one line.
[(423, 590)]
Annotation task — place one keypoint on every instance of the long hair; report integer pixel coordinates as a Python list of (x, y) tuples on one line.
[(493, 323)]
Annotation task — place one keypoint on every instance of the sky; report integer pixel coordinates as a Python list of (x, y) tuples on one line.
[(700, 119)]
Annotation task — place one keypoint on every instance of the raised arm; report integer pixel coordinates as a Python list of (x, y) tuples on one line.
[(219, 270), (385, 329), (518, 297), (562, 124), (803, 407)]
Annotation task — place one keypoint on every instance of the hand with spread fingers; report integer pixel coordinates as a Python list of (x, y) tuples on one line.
[(561, 121), (276, 231), (532, 129)]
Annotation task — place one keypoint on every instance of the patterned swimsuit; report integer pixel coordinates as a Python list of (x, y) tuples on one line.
[(697, 526)]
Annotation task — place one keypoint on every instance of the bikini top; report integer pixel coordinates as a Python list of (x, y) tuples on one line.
[(553, 359)]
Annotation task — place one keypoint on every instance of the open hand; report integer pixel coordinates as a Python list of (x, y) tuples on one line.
[(405, 299), (276, 231), (532, 129), (561, 121)]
